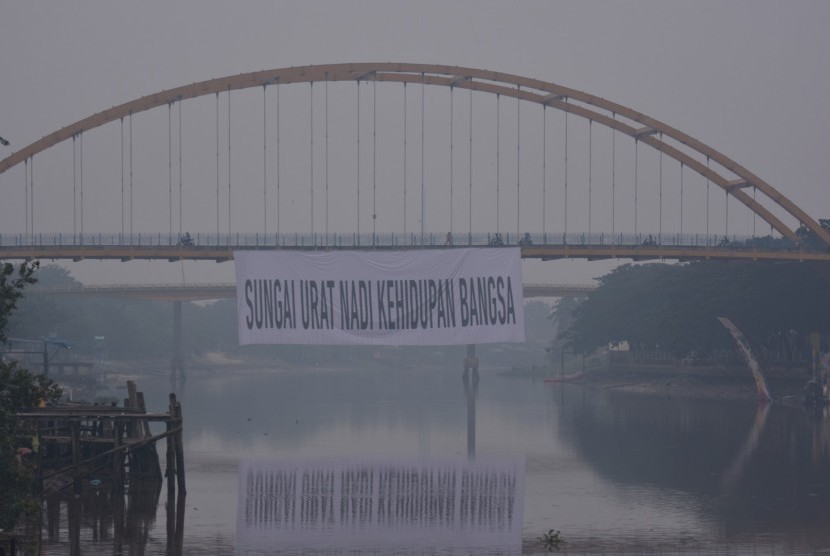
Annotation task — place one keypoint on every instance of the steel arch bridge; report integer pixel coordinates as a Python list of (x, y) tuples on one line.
[(789, 224)]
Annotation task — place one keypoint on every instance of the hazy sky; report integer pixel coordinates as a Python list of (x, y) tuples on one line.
[(750, 78)]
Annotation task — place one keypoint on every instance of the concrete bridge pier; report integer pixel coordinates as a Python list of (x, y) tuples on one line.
[(470, 378), (471, 363), (177, 361)]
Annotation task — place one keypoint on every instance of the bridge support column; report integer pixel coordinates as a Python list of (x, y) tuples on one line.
[(470, 378), (470, 395), (471, 362), (177, 361)]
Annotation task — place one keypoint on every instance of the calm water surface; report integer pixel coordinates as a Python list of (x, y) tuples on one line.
[(613, 472)]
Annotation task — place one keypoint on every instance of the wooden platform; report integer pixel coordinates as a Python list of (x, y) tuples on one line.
[(73, 442)]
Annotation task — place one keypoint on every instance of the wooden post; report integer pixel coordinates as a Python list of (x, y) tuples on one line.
[(180, 451), (142, 407), (170, 470), (118, 455), (76, 455)]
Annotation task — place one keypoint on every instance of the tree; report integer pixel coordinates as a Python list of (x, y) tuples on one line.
[(674, 307), (19, 389)]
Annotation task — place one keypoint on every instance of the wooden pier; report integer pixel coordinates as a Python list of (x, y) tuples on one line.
[(99, 443)]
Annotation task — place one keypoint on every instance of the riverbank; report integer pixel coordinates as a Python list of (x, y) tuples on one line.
[(682, 384)]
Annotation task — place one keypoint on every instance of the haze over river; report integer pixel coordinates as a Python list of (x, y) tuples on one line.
[(613, 472)]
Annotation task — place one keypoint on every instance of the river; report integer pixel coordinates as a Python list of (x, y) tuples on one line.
[(613, 472)]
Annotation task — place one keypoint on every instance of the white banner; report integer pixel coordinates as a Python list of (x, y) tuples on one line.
[(418, 297)]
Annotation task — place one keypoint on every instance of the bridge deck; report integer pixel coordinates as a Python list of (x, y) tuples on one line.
[(534, 246)]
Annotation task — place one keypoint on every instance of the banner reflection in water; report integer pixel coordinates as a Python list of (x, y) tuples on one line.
[(326, 504)]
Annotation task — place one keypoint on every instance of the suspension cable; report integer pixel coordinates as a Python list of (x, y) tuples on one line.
[(264, 161), (707, 199), (326, 165), (181, 209), (681, 200), (423, 189), (754, 214), (170, 168), (726, 214), (26, 190), (217, 168), (498, 160), (311, 149), (544, 170), (613, 178), (451, 154), (131, 177), (636, 179), (565, 236), (358, 158), (229, 164), (32, 192), (74, 190), (470, 199), (374, 156), (278, 158), (80, 180), (122, 178), (590, 169), (404, 157), (518, 157), (660, 198)]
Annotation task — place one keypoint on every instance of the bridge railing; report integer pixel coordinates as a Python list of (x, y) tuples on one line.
[(395, 240)]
